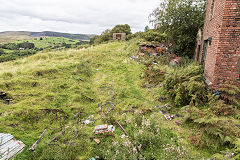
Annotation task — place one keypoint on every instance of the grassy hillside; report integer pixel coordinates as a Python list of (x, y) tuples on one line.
[(23, 48), (10, 36), (14, 36), (49, 41), (58, 34), (59, 90)]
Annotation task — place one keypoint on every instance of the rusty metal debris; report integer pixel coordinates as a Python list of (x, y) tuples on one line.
[(121, 127), (101, 129), (9, 146)]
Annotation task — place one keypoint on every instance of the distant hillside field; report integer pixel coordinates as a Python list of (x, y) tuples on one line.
[(9, 36), (22, 48), (48, 41)]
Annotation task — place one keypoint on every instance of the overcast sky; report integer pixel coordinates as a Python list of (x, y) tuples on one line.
[(74, 16)]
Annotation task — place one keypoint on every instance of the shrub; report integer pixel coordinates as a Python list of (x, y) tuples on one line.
[(26, 45), (2, 51), (185, 84), (230, 93), (217, 127)]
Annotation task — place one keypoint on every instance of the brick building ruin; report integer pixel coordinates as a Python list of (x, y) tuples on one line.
[(218, 46), (119, 36)]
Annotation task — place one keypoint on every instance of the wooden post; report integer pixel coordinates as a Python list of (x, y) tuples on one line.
[(34, 146), (121, 127)]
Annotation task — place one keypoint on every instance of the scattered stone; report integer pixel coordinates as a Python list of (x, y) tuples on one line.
[(176, 61), (168, 117), (87, 121), (141, 54), (97, 140), (134, 58)]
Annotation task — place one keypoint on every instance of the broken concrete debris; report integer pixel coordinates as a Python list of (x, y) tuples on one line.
[(9, 146), (176, 61), (154, 48), (101, 129), (134, 58), (97, 140), (163, 111), (168, 117), (87, 121)]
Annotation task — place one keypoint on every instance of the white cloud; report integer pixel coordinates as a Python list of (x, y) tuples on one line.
[(74, 16)]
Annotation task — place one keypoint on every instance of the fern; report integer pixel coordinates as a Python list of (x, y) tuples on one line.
[(230, 93), (185, 85)]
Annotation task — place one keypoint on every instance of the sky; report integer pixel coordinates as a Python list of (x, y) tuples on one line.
[(74, 16)]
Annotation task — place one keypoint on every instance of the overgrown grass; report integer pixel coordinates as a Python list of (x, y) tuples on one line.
[(59, 90)]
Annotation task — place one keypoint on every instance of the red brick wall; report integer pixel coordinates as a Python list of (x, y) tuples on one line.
[(212, 28), (223, 53), (228, 49)]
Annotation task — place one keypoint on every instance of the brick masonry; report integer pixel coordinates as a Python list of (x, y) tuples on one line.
[(221, 34)]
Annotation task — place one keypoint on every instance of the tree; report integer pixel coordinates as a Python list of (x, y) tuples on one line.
[(26, 45), (122, 29), (180, 20), (108, 34), (146, 29), (1, 51)]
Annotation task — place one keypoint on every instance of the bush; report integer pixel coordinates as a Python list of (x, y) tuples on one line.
[(186, 84), (26, 45), (108, 34), (180, 20), (10, 46), (217, 127), (2, 51)]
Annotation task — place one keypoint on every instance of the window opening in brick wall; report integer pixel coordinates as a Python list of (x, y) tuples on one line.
[(212, 9), (205, 51)]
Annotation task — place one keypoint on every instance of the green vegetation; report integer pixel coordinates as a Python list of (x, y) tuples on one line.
[(176, 22), (59, 90), (10, 36), (107, 35), (48, 42), (168, 111), (212, 119), (18, 49)]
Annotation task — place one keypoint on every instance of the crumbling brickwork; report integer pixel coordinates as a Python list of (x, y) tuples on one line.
[(220, 48)]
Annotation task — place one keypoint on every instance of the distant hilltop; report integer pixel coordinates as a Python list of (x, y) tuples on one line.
[(23, 35)]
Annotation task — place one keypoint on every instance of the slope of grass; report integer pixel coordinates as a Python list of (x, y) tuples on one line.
[(49, 41), (10, 36), (59, 90)]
